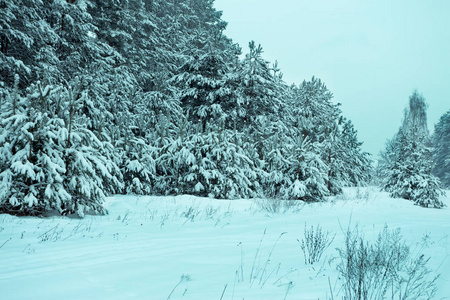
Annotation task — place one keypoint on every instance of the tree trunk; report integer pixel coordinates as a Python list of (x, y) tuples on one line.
[(329, 172), (4, 45)]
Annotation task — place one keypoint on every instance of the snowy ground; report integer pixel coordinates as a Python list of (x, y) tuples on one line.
[(194, 248)]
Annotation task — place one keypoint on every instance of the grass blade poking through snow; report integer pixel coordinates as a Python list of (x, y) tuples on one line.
[(261, 272), (5, 242), (183, 278), (267, 263), (256, 256), (223, 293)]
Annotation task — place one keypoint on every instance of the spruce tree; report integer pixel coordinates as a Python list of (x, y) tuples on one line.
[(441, 153), (407, 161)]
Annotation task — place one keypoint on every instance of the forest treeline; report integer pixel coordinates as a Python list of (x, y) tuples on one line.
[(150, 97)]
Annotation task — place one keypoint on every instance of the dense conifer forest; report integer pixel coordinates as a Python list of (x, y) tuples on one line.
[(149, 97)]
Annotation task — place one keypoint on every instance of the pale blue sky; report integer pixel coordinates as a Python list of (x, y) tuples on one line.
[(370, 54)]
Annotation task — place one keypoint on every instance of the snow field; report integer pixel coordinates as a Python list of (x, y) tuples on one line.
[(187, 247)]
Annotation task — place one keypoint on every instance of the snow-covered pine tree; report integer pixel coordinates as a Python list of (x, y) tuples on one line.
[(23, 35), (210, 164), (441, 153), (137, 164), (308, 174), (130, 28), (49, 159), (277, 163), (91, 172), (257, 112), (226, 171), (397, 168), (201, 82), (32, 168), (258, 92), (270, 132), (356, 164), (407, 161), (46, 39), (315, 119), (173, 158), (334, 156)]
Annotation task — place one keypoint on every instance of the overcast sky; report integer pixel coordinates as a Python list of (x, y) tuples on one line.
[(370, 54)]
